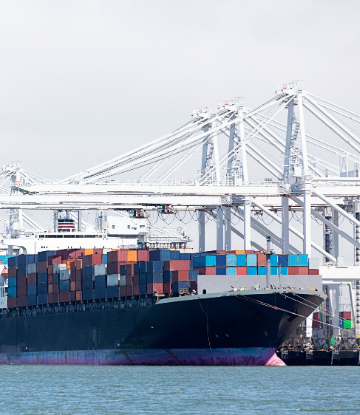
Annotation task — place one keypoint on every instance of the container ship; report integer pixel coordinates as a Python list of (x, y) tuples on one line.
[(153, 307)]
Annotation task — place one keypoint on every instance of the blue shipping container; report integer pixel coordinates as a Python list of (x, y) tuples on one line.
[(26, 259), (154, 277), (13, 261), (174, 255), (251, 260), (241, 260), (274, 271), (44, 255), (137, 268), (31, 290), (56, 278), (167, 276), (142, 277), (283, 271), (87, 294), (112, 292), (155, 266), (230, 270), (283, 260), (100, 281), (251, 270), (185, 257), (65, 285), (231, 260), (87, 283), (220, 260), (180, 287), (262, 271), (193, 274), (22, 270), (87, 271), (42, 288), (220, 270), (42, 299), (12, 282), (104, 259), (99, 293), (159, 255), (31, 300), (205, 261), (274, 260), (12, 292), (142, 289), (42, 278), (293, 261), (303, 260), (143, 266), (4, 259)]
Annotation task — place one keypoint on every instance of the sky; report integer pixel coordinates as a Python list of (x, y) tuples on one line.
[(83, 81)]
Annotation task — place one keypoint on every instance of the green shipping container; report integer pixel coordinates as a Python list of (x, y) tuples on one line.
[(347, 324), (331, 341)]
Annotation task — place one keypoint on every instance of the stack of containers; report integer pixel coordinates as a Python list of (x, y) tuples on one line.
[(345, 319), (93, 276)]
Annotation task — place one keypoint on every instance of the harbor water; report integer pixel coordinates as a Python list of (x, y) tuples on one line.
[(181, 390)]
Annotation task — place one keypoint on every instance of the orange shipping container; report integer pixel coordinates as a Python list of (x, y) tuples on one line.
[(240, 252), (89, 251), (50, 288), (72, 286), (132, 256), (78, 296)]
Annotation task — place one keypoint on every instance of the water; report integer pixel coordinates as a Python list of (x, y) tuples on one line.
[(180, 390)]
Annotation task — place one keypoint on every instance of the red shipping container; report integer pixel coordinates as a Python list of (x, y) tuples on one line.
[(94, 259), (314, 272), (346, 315), (64, 253), (50, 288), (12, 272), (78, 275), (303, 270), (119, 255), (11, 302), (50, 269), (129, 279), (55, 298), (79, 253), (72, 287), (98, 251), (21, 280), (206, 270), (64, 296), (123, 291), (248, 252), (156, 287), (167, 288), (179, 265), (72, 296), (42, 266), (78, 296), (71, 254), (50, 279), (129, 291), (136, 290), (32, 279), (261, 258), (180, 276), (136, 280), (293, 270), (78, 285), (50, 298), (129, 269), (240, 270), (22, 291), (56, 288), (113, 268), (54, 259), (78, 264), (143, 255), (21, 301)]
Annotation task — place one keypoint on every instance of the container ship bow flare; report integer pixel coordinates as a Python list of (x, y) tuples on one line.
[(231, 328)]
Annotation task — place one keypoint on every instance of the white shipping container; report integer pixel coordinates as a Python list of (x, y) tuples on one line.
[(58, 267), (64, 274), (113, 280), (99, 270), (122, 280), (31, 268)]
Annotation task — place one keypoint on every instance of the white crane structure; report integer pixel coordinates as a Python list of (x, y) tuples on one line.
[(222, 189)]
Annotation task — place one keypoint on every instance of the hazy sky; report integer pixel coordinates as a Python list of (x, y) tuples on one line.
[(83, 81)]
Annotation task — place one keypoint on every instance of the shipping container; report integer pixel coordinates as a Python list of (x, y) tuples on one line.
[(21, 301), (314, 263), (22, 291), (12, 292), (347, 324), (261, 260), (42, 278), (112, 291), (22, 270), (274, 262), (231, 260), (283, 260), (206, 270), (32, 290), (95, 259), (220, 260), (220, 270), (193, 274), (176, 265), (167, 288), (167, 276), (230, 270), (314, 272), (64, 285), (42, 299), (87, 283), (251, 270), (283, 271), (31, 268), (155, 277), (12, 282), (143, 288), (142, 278), (174, 255), (87, 294), (180, 276), (26, 259), (100, 281), (99, 293), (31, 300), (180, 287), (64, 274), (64, 296), (40, 267), (262, 270), (303, 260), (159, 255), (136, 279), (293, 261), (241, 271), (12, 272), (204, 261), (293, 270), (13, 261), (241, 260), (44, 255), (113, 280), (42, 288), (143, 267), (345, 315), (32, 279), (154, 288), (143, 255), (303, 271)]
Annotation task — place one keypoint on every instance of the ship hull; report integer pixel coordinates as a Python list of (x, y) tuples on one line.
[(215, 329)]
